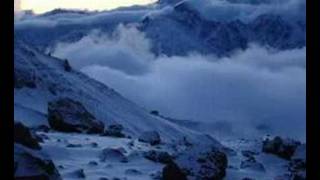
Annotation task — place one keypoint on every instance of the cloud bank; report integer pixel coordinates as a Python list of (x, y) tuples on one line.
[(255, 87)]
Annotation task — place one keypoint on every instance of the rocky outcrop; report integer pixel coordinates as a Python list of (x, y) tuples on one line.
[(203, 162), (114, 130), (68, 115), (32, 164), (22, 135), (172, 171), (283, 148), (151, 137)]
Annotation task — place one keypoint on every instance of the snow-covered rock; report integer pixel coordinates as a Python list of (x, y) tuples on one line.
[(68, 115), (114, 130), (112, 154), (151, 137), (284, 148), (203, 162)]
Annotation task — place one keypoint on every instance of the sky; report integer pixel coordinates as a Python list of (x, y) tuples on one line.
[(40, 6)]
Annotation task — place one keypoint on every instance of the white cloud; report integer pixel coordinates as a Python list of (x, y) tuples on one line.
[(252, 87)]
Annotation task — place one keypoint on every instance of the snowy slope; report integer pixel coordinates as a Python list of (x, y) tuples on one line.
[(51, 81)]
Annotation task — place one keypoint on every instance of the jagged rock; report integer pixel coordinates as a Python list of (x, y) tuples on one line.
[(22, 135), (158, 156), (203, 162), (172, 171), (67, 115), (110, 154), (132, 172), (32, 164), (252, 164), (151, 137), (283, 148), (114, 130)]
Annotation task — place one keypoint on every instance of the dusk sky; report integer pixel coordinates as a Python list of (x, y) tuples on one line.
[(40, 6)]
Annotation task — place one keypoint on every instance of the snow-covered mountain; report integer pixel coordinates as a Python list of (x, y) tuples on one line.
[(211, 33)]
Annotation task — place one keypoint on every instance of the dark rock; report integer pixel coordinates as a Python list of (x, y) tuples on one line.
[(23, 135), (94, 145), (155, 112), (79, 173), (158, 156), (93, 163), (67, 115), (43, 128), (173, 172), (111, 154), (283, 148), (103, 178), (74, 145), (29, 160), (202, 162), (151, 137), (114, 130), (66, 65)]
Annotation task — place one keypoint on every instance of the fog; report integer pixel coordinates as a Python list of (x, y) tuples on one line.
[(255, 87)]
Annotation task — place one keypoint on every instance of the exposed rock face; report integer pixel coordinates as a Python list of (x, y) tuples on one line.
[(172, 171), (283, 148), (67, 115), (202, 162), (151, 137), (158, 156), (111, 154), (31, 164), (22, 135), (114, 130)]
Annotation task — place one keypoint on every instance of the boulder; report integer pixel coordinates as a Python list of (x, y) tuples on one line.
[(203, 162), (151, 137), (111, 154), (33, 164), (173, 172), (158, 156), (68, 115), (283, 148), (22, 135), (114, 130)]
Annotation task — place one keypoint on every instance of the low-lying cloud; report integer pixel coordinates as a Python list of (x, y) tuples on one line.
[(255, 87)]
